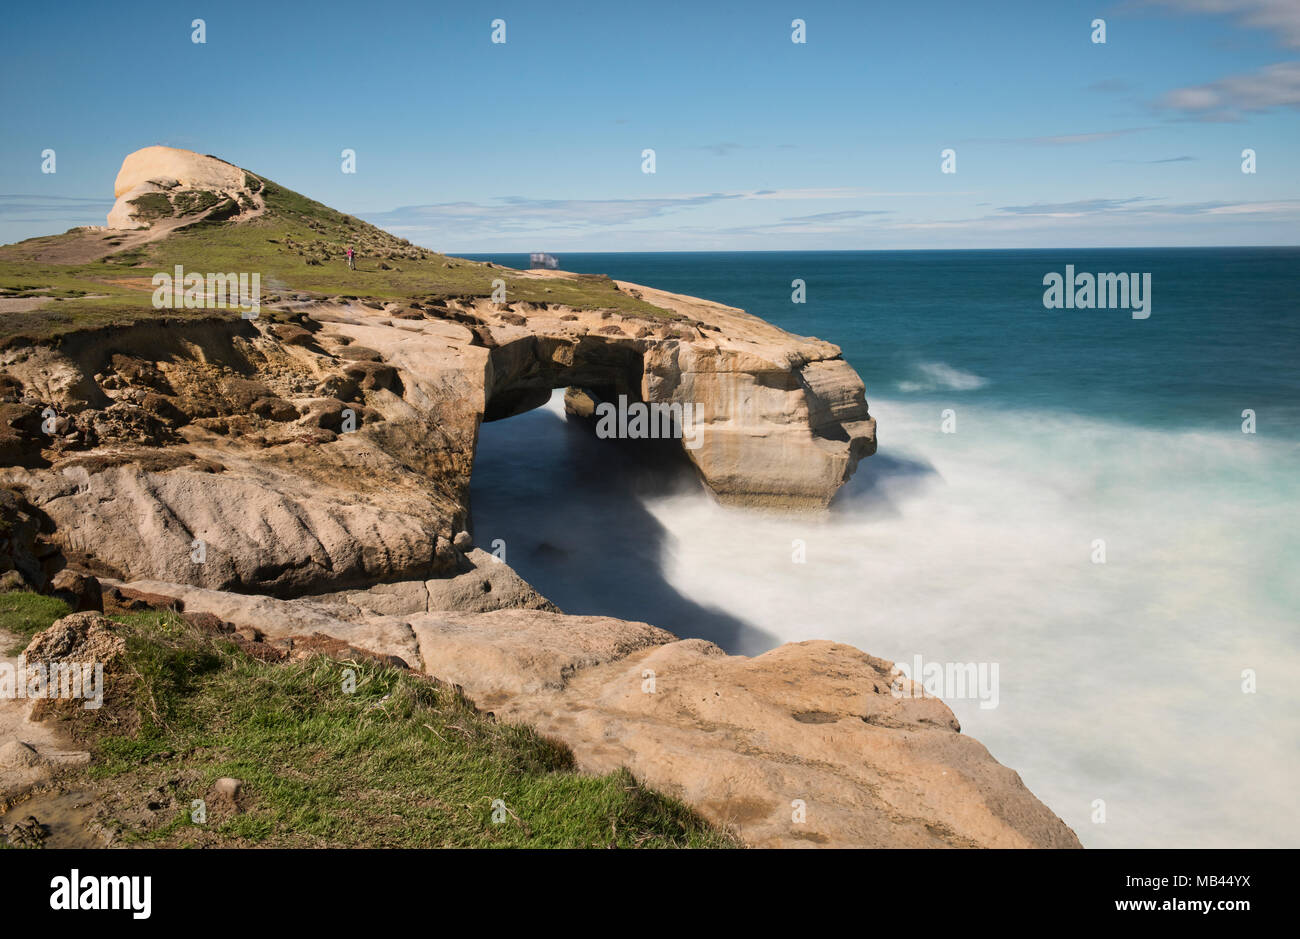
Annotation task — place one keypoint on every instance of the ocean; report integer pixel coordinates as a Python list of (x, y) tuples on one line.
[(1096, 524)]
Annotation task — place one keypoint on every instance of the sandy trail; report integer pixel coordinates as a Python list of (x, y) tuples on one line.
[(91, 244), (23, 768), (82, 246)]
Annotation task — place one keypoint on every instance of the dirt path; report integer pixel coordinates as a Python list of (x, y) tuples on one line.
[(92, 243), (30, 751)]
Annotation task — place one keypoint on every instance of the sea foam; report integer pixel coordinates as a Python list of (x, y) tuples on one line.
[(1119, 681)]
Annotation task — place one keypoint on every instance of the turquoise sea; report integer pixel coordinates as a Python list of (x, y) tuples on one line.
[(1126, 681)]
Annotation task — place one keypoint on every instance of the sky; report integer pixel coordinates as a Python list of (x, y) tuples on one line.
[(464, 145)]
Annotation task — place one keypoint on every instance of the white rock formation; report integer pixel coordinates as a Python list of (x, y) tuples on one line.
[(168, 170)]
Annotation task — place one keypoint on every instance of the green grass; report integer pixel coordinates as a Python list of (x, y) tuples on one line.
[(298, 245), (152, 205), (87, 296), (25, 613), (296, 229), (34, 279), (189, 201), (399, 762)]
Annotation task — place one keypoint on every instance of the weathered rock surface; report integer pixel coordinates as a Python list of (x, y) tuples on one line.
[(297, 472), (480, 584), (181, 167), (280, 619), (307, 474), (165, 182), (809, 730), (279, 506), (27, 556), (785, 418), (803, 745), (79, 591), (78, 637)]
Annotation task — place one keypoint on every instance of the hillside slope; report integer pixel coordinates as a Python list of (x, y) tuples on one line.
[(307, 471)]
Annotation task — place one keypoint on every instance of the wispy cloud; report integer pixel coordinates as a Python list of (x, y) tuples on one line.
[(1085, 138), (1278, 16), (820, 223), (1105, 221), (1099, 221), (1177, 159), (1148, 208), (515, 214), (845, 192), (45, 208), (1072, 209), (1228, 99), (837, 216)]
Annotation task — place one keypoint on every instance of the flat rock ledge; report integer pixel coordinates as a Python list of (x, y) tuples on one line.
[(802, 746)]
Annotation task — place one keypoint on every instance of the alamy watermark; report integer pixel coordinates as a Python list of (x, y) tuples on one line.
[(194, 291), (66, 680), (76, 891), (641, 421), (947, 680), (1098, 292)]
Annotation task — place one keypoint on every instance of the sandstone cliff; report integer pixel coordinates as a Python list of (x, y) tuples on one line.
[(308, 472)]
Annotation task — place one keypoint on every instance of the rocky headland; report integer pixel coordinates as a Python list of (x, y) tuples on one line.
[(305, 473)]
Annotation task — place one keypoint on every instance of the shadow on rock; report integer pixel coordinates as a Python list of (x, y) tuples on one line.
[(569, 511)]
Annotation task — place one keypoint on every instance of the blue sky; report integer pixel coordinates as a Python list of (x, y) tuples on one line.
[(761, 144)]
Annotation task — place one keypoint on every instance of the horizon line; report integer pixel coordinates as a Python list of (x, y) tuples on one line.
[(884, 250)]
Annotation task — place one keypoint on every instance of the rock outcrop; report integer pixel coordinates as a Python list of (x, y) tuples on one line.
[(335, 449), (32, 749), (164, 182), (307, 473), (782, 420), (805, 745)]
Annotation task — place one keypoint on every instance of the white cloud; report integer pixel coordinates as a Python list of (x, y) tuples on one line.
[(517, 214), (1276, 86), (1279, 16)]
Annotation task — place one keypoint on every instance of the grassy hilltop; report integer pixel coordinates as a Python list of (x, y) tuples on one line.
[(95, 277)]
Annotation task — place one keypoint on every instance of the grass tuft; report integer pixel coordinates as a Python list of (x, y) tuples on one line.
[(400, 761), (24, 614)]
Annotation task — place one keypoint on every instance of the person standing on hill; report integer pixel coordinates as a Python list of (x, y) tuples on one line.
[(351, 260)]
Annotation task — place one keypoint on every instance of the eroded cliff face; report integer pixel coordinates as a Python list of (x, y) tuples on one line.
[(782, 420), (334, 447), (308, 472), (234, 433)]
